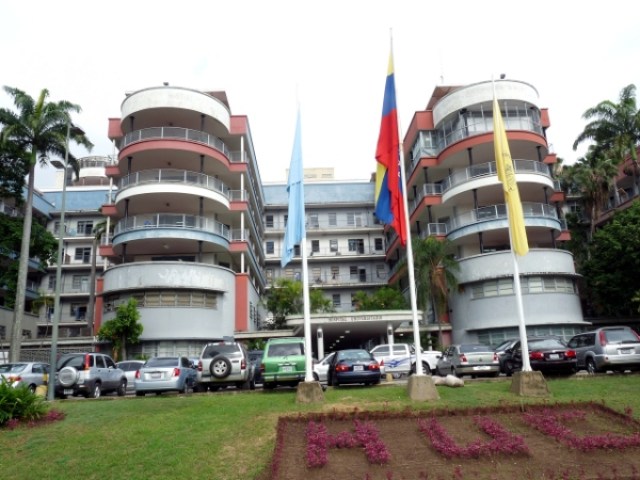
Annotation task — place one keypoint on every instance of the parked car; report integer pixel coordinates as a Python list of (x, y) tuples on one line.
[(223, 364), (401, 359), (255, 356), (547, 354), (353, 366), (283, 362), (468, 359), (90, 374), (321, 368), (130, 367), (165, 374), (29, 374), (607, 348)]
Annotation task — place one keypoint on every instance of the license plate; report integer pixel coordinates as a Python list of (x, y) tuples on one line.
[(481, 367), (68, 391), (286, 368), (156, 376), (554, 356), (626, 351), (358, 368)]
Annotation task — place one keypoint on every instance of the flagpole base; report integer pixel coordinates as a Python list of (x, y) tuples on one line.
[(309, 392), (422, 388), (529, 384)]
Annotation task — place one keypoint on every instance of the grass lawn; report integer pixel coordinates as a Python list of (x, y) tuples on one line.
[(231, 435)]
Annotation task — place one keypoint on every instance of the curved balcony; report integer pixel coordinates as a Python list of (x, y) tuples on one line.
[(166, 225), (177, 133), (460, 177), (495, 217)]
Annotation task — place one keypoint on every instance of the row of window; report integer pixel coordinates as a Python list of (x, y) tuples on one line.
[(354, 245), (537, 284), (83, 228), (164, 298), (319, 275), (497, 336), (26, 334), (78, 282), (331, 219)]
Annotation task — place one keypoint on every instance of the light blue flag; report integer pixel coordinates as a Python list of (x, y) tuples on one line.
[(295, 232)]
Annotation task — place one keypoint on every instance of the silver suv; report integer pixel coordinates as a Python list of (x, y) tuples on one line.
[(89, 374), (223, 364), (607, 348)]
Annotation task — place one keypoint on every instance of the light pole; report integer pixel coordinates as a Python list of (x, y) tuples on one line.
[(56, 305)]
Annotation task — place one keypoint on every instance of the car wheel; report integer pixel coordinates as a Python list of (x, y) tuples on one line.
[(252, 384), (96, 391), (122, 388), (335, 381), (591, 366), (315, 377), (32, 388), (453, 371), (220, 367), (509, 367)]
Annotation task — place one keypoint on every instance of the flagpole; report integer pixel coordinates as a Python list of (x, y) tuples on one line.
[(307, 312), (410, 266), (498, 131)]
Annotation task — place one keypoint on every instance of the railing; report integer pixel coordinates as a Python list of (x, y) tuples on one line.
[(172, 220), (329, 279), (175, 133), (496, 212), (315, 224), (169, 175), (343, 252)]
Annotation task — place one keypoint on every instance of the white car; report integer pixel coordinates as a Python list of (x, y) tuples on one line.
[(321, 368)]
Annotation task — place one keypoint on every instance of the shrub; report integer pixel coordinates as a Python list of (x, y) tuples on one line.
[(19, 404)]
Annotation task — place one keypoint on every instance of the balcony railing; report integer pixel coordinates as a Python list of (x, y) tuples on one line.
[(329, 279), (172, 220), (497, 212), (169, 175), (175, 133), (316, 224)]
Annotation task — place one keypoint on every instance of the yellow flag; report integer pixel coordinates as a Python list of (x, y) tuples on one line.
[(507, 176)]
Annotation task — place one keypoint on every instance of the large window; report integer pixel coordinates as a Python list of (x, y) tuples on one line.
[(356, 245), (529, 285), (269, 247), (315, 246), (85, 228), (269, 221), (80, 282), (333, 245), (336, 300), (333, 219), (83, 254)]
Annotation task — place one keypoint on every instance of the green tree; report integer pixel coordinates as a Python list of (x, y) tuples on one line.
[(284, 298), (14, 167), (39, 128), (611, 272), (124, 328), (384, 298), (435, 268), (614, 128), (319, 303), (43, 246)]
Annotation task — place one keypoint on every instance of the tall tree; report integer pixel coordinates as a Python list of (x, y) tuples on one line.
[(614, 129), (435, 268), (40, 128)]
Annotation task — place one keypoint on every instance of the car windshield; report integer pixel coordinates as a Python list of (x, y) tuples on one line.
[(545, 343), (222, 348), (162, 362), (285, 349), (474, 348), (354, 355), (75, 361), (12, 367)]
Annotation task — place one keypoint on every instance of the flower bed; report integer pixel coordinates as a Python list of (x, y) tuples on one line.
[(576, 441)]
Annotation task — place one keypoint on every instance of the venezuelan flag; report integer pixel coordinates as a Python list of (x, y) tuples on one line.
[(388, 193)]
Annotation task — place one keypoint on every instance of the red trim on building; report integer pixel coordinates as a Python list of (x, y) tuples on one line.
[(242, 302)]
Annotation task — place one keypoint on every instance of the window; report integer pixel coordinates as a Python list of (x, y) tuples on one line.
[(380, 271), (269, 274), (56, 228), (80, 282), (378, 244), (269, 247), (269, 221), (354, 219), (26, 334), (333, 220), (315, 246), (83, 254), (52, 282), (85, 227), (316, 275), (356, 245), (296, 250), (336, 300), (313, 220), (353, 272), (335, 272), (333, 245), (78, 311)]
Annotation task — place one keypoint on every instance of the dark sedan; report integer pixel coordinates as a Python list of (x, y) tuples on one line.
[(353, 366), (546, 354)]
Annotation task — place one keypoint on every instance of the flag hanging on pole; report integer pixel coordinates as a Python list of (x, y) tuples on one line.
[(388, 193), (295, 231), (507, 176)]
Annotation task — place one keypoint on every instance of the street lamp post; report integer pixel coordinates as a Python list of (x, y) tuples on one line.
[(56, 305)]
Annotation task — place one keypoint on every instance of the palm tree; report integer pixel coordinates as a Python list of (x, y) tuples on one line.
[(40, 128), (434, 266), (615, 129), (593, 178)]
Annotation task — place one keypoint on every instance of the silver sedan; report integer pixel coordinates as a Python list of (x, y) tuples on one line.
[(30, 374), (165, 374)]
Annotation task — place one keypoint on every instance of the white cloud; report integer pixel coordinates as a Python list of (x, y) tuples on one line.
[(333, 52)]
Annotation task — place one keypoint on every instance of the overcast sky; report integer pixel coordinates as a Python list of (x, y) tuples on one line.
[(334, 52)]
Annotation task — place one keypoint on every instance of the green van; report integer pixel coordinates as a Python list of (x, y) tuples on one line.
[(283, 362)]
